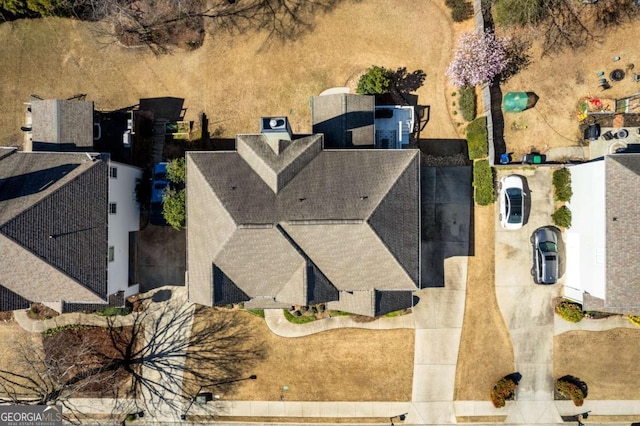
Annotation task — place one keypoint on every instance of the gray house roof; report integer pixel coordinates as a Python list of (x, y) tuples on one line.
[(60, 121), (53, 226), (346, 120), (622, 176), (295, 224)]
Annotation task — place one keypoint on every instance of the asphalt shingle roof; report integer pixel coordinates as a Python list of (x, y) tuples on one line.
[(352, 214), (59, 121), (53, 226), (622, 175), (346, 120)]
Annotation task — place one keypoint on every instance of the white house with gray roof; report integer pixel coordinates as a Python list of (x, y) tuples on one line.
[(65, 225), (282, 221), (603, 242)]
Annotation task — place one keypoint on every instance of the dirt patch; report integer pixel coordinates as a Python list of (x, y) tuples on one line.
[(76, 352), (337, 365), (561, 81), (159, 25), (6, 316), (610, 375), (486, 353)]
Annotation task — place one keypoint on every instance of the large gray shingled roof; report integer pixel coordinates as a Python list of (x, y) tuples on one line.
[(337, 222), (622, 176), (53, 226)]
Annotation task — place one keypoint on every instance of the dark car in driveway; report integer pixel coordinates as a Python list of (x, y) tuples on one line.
[(159, 183), (544, 242)]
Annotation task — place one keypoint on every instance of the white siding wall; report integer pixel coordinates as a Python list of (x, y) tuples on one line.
[(586, 239), (126, 219)]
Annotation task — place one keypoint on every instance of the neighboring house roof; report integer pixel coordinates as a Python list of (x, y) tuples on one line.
[(60, 121), (346, 120), (53, 226), (286, 222), (622, 176)]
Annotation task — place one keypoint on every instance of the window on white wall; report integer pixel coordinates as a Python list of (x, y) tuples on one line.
[(113, 172), (112, 253), (112, 208)]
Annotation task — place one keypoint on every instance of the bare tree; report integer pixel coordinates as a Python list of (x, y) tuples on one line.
[(156, 361)]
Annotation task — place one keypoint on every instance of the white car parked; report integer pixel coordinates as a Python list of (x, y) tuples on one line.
[(512, 202)]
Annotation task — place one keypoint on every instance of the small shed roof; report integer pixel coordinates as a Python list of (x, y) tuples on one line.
[(59, 121)]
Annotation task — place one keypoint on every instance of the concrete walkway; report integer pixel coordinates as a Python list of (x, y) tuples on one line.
[(609, 323), (280, 326)]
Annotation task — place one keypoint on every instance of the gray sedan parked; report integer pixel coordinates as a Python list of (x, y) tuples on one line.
[(545, 256)]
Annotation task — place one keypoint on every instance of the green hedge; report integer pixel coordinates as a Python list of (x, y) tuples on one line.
[(468, 103), (483, 182), (562, 184), (562, 217), (477, 138)]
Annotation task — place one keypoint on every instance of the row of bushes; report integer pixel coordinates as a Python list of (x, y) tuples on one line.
[(566, 386), (483, 182), (562, 192), (467, 103)]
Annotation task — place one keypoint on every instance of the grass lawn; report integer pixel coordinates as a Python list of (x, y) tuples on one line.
[(337, 365), (486, 353), (606, 360)]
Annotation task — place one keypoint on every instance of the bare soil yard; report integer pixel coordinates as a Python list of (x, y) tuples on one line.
[(338, 365), (561, 80), (605, 360), (486, 353)]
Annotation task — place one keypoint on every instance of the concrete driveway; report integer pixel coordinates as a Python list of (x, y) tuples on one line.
[(527, 307)]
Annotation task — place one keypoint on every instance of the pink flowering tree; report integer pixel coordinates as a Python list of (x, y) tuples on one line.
[(478, 58)]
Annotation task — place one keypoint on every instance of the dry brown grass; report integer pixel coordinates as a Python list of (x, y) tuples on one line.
[(606, 360), (486, 353), (235, 79), (560, 81), (337, 365)]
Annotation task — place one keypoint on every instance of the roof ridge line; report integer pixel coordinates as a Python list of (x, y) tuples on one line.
[(324, 221), (50, 265), (395, 182)]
